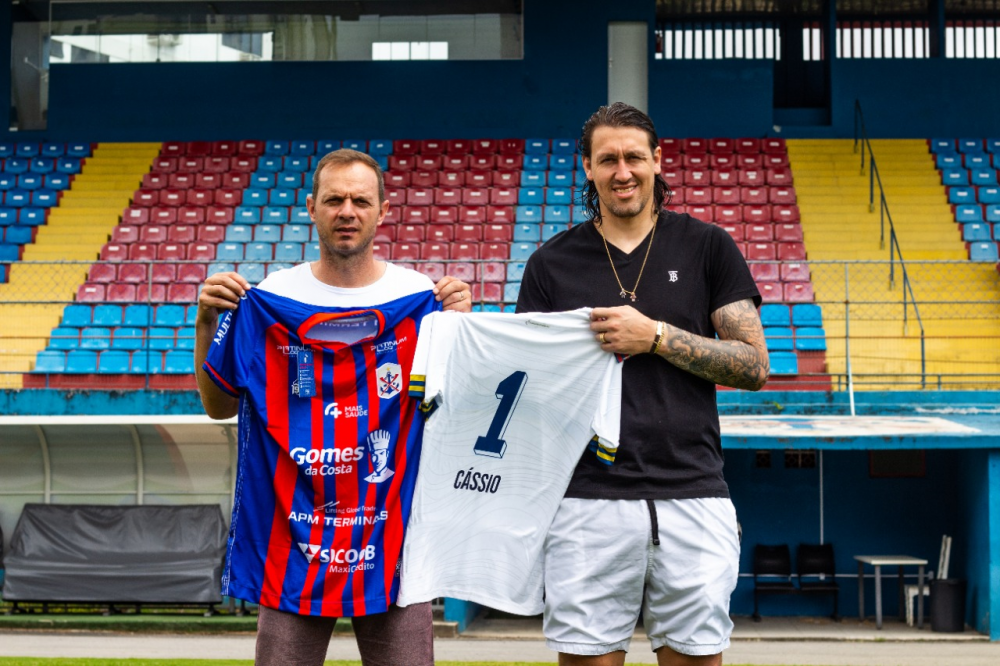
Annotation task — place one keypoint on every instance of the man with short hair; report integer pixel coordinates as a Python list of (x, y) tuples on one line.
[(654, 529), (314, 358)]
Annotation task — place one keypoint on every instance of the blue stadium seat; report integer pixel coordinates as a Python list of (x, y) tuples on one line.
[(810, 339), (266, 233), (80, 361), (27, 149), (191, 315), (559, 195), (147, 362), (128, 338), (550, 230), (311, 252), (536, 146), (19, 235), (521, 251), (559, 215), (160, 338), (561, 179), (77, 316), (354, 144), (302, 147), (275, 266), (562, 163), (327, 146), (258, 252), (380, 147), (289, 179), (970, 145), (272, 163), (274, 214), (68, 164), (983, 251), (178, 363), (983, 177), (114, 362), (976, 162), (43, 165), (528, 214), (779, 338), (239, 233), (579, 214), (527, 233), (17, 198), (966, 213), (44, 198), (220, 267), (276, 147), (78, 150), (95, 337), (992, 145), (299, 164), (53, 149), (252, 272), (300, 215), (8, 181), (6, 149), (169, 315), (139, 315), (536, 163), (948, 161), (993, 214), (295, 233), (30, 181), (50, 361), (185, 338), (8, 216), (784, 363), (515, 270), (288, 252), (108, 315), (989, 195), (533, 179), (253, 196), (563, 146), (804, 314), (943, 146), (775, 314), (63, 337), (282, 197), (510, 292), (302, 196), (509, 308), (530, 195), (263, 180), (487, 307), (246, 215), (10, 252), (961, 195), (579, 178), (32, 216), (57, 181), (953, 177), (16, 165), (976, 232), (229, 252)]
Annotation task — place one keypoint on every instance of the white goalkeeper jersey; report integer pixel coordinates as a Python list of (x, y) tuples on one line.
[(512, 402)]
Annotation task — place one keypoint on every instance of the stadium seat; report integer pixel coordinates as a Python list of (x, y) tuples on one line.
[(64, 337), (160, 338), (976, 232), (182, 293), (810, 339), (138, 315), (123, 292), (795, 272), (779, 338), (107, 315), (77, 316), (954, 177), (169, 315), (288, 252), (80, 361), (185, 338), (807, 315), (764, 272), (252, 272), (784, 363), (775, 314), (128, 338), (50, 361), (983, 251), (798, 292), (90, 293), (962, 195), (148, 362), (114, 362)]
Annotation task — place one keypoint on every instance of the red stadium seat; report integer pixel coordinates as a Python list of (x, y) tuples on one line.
[(423, 179), (465, 251), (201, 252), (411, 233), (236, 180), (726, 195), (165, 165), (199, 148), (114, 252), (788, 233), (155, 293), (703, 213), (696, 161), (747, 145), (673, 175), (181, 292), (509, 162), (133, 273), (396, 196), (121, 292), (725, 177), (749, 161), (447, 196), (764, 272), (434, 251), (194, 273), (180, 181), (152, 233), (734, 230), (760, 233), (416, 215), (491, 271), (455, 179), (473, 214), (773, 146), (455, 162), (198, 197), (382, 251), (243, 164), (393, 216), (498, 233), (729, 214), (676, 195), (173, 149), (146, 198), (491, 146), (440, 233), (458, 146), (162, 216), (505, 178), (499, 214), (405, 147), (402, 162), (791, 251), (154, 181), (799, 292), (124, 233), (223, 148), (475, 196), (172, 252), (503, 197), (488, 292), (220, 215), (135, 215), (405, 251), (671, 160), (722, 161), (721, 146), (671, 145), (795, 273), (181, 233), (506, 147), (494, 251), (697, 177), (90, 293), (694, 145), (216, 165), (757, 214), (444, 214), (434, 270), (469, 233), (419, 196), (752, 177), (190, 164), (426, 162), (754, 195), (255, 148), (173, 197), (432, 147), (483, 162), (163, 273), (782, 195), (785, 214), (779, 176), (775, 161), (770, 292), (698, 196), (102, 273), (397, 179), (761, 252), (191, 215)]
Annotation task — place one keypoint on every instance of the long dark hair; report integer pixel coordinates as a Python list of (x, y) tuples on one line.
[(619, 114)]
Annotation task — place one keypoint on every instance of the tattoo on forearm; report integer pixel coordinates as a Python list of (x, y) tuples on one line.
[(738, 359)]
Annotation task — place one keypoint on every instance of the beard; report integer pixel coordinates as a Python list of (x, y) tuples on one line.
[(343, 248), (625, 210)]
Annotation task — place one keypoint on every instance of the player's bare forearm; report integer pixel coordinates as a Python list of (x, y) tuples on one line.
[(738, 359)]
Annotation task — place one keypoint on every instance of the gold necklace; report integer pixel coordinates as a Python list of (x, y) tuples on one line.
[(625, 292)]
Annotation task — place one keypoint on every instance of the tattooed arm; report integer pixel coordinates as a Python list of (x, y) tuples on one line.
[(737, 359)]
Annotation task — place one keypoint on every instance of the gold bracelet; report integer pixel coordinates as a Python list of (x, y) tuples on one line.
[(661, 328)]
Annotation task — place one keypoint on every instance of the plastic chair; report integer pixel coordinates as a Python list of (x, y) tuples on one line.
[(113, 363), (910, 592), (816, 563), (772, 573), (779, 338)]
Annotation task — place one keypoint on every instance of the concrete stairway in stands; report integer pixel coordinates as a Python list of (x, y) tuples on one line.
[(34, 297), (833, 198)]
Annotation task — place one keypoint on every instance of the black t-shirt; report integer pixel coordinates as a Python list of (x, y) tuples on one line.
[(670, 444)]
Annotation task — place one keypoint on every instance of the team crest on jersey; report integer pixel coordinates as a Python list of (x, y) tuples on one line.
[(390, 380)]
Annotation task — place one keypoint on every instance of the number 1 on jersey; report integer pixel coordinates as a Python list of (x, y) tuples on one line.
[(508, 392)]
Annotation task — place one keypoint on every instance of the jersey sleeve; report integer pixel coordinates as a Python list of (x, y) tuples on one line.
[(607, 420), (427, 376), (731, 278), (233, 349)]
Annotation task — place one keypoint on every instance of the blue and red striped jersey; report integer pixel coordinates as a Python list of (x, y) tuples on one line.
[(328, 449)]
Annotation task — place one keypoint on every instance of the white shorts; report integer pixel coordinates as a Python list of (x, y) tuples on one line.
[(601, 566)]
